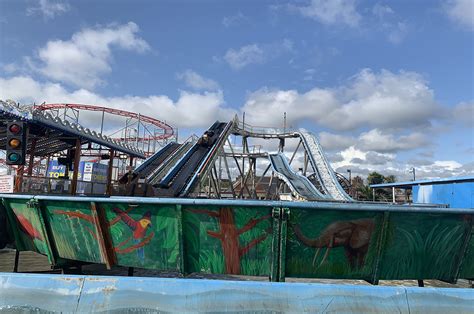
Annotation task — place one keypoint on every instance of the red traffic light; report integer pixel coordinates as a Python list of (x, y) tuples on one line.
[(15, 128)]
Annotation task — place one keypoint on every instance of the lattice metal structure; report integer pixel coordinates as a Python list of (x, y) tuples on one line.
[(143, 132)]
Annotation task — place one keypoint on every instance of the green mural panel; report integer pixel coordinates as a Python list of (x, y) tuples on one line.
[(29, 233), (467, 270), (145, 236), (247, 240), (423, 246), (227, 240), (332, 244), (73, 229)]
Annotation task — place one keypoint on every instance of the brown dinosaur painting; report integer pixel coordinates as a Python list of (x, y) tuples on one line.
[(353, 235)]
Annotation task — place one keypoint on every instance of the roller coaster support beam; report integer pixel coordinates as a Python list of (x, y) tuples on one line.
[(296, 150), (229, 176)]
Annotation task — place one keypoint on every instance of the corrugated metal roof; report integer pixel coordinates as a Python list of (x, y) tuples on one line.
[(54, 134), (407, 184)]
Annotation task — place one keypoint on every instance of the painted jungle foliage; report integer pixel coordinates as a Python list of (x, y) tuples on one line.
[(225, 240), (73, 231), (248, 240), (145, 236), (424, 248), (29, 234)]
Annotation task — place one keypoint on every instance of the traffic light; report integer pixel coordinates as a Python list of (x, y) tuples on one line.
[(16, 143)]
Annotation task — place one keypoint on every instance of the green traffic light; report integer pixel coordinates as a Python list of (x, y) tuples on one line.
[(13, 157)]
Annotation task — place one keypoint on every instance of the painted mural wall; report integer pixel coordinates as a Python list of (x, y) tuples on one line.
[(258, 240)]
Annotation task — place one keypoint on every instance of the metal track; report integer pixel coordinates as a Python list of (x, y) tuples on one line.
[(150, 163), (208, 160), (325, 173), (159, 172), (180, 179), (299, 184)]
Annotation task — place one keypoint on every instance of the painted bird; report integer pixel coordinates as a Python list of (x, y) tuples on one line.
[(139, 228)]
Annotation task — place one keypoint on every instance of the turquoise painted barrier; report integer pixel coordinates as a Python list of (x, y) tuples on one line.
[(84, 294)]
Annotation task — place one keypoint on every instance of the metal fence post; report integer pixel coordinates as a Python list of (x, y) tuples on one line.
[(34, 204), (179, 224), (284, 217), (380, 247), (274, 269)]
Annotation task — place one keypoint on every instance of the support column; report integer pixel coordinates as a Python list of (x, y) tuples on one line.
[(109, 172), (393, 194), (32, 157), (77, 159), (19, 178)]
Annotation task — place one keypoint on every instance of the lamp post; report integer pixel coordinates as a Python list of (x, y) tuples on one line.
[(412, 170), (350, 181)]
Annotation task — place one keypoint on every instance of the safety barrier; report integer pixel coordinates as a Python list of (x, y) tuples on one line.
[(256, 238), (85, 294)]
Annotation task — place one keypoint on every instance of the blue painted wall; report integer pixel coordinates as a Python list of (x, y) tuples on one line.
[(457, 195)]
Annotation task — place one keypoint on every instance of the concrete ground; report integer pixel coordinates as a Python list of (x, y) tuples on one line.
[(34, 262)]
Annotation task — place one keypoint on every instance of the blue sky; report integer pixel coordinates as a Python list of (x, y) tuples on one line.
[(387, 85)]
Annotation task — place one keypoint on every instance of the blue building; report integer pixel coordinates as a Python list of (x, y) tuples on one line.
[(457, 192)]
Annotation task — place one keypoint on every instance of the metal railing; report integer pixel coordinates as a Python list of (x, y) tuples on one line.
[(58, 186)]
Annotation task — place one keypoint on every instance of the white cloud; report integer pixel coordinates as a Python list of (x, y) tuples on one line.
[(234, 20), (389, 23), (196, 81), (464, 112), (361, 163), (342, 12), (190, 110), (250, 54), (330, 141), (381, 11), (49, 9), (377, 140), (85, 58), (257, 53), (385, 99), (461, 12), (397, 32)]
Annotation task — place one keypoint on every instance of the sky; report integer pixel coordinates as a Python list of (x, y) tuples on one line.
[(385, 85)]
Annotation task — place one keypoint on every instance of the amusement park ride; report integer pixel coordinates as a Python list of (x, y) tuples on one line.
[(199, 167), (209, 205)]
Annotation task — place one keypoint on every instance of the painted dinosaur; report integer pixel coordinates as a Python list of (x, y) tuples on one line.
[(353, 235)]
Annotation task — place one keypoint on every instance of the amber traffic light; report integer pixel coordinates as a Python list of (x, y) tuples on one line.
[(16, 143)]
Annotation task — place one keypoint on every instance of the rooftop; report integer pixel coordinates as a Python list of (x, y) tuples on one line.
[(408, 184)]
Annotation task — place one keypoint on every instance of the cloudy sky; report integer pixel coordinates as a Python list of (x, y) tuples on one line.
[(386, 85)]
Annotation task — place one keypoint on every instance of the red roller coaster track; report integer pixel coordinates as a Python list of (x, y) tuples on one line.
[(168, 130)]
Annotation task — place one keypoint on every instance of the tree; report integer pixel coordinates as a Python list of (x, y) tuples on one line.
[(375, 178), (390, 179), (229, 235), (357, 182)]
